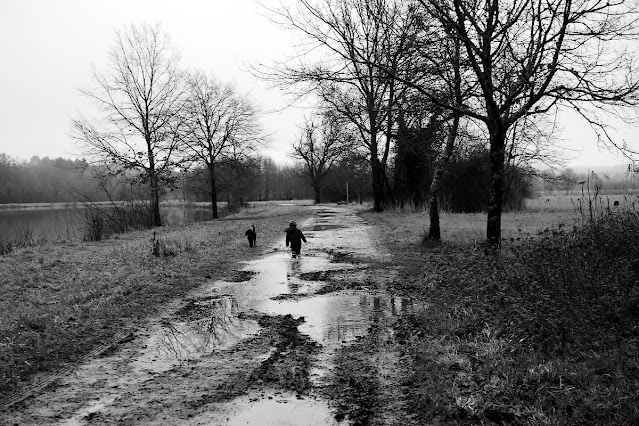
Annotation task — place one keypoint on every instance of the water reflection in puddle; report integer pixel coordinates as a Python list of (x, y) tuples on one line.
[(333, 318), (338, 318), (207, 325), (278, 274), (270, 408), (217, 329), (284, 411)]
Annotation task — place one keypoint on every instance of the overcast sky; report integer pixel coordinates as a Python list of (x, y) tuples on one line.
[(47, 49)]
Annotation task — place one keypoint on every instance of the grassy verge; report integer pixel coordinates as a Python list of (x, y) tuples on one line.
[(57, 302), (546, 333)]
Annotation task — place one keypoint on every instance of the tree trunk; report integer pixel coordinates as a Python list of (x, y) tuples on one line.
[(378, 174), (155, 200), (317, 186), (213, 190), (496, 189), (155, 185), (378, 183), (434, 231), (376, 166)]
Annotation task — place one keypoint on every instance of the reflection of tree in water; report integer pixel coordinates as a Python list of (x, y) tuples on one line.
[(181, 339), (350, 316)]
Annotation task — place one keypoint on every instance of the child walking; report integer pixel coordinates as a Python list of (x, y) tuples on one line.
[(295, 237)]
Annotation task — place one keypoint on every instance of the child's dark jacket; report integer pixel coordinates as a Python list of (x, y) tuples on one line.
[(295, 237)]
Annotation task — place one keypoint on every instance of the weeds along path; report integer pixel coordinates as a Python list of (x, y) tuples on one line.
[(304, 340)]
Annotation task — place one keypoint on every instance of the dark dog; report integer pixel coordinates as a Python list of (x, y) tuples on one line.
[(252, 236)]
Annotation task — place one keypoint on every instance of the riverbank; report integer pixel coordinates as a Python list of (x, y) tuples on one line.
[(58, 302)]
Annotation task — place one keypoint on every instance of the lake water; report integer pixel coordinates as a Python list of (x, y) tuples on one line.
[(66, 221)]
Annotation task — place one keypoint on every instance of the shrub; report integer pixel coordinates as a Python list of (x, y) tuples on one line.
[(100, 222), (466, 181)]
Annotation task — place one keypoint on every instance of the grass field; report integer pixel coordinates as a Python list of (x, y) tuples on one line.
[(544, 333)]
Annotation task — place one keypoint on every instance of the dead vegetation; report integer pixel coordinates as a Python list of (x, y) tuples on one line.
[(545, 333)]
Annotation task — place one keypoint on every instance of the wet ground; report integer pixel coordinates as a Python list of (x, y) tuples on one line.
[(282, 341)]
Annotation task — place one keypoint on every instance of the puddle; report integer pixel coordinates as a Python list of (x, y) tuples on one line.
[(334, 319), (278, 274), (271, 408), (320, 227), (285, 411), (203, 326), (279, 285), (185, 340)]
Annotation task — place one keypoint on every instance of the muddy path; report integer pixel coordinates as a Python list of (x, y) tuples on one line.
[(299, 341)]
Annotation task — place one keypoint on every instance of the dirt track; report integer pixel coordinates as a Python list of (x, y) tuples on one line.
[(282, 340)]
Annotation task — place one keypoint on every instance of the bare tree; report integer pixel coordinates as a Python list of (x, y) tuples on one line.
[(220, 125), (140, 97), (351, 37), (529, 57), (321, 145)]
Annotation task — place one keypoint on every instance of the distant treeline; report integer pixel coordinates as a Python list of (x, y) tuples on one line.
[(46, 180)]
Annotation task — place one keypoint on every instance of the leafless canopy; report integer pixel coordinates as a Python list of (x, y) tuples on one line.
[(343, 44), (139, 99), (218, 121), (526, 57), (325, 140), (218, 125)]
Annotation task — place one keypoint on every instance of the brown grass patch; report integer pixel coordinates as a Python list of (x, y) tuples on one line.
[(544, 333)]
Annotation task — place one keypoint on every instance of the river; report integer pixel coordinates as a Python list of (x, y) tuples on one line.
[(66, 221)]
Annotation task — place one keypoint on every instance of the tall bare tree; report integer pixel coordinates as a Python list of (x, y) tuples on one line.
[(529, 57), (351, 37), (139, 98), (220, 125), (323, 142)]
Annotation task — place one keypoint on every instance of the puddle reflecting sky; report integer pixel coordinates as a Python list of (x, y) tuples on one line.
[(270, 408), (330, 318), (219, 328), (284, 411)]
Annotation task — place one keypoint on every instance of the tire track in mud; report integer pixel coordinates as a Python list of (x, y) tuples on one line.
[(46, 381)]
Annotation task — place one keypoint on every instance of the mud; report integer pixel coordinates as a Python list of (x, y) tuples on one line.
[(281, 340)]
